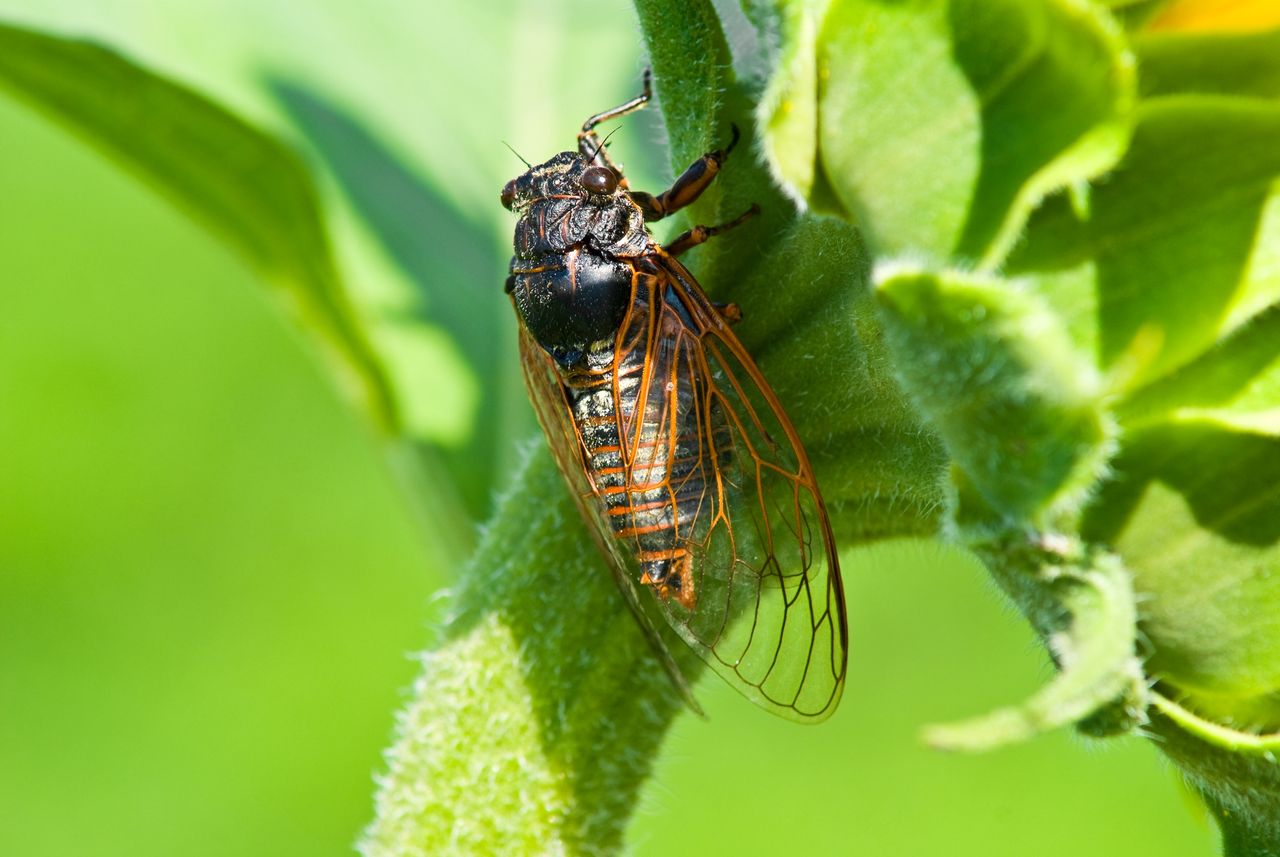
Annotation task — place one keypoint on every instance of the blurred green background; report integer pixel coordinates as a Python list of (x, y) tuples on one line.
[(211, 586)]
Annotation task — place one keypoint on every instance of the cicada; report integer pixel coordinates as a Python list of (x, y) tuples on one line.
[(679, 455)]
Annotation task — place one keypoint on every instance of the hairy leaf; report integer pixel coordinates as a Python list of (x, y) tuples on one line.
[(929, 120)]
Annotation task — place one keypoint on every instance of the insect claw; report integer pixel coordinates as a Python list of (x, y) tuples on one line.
[(731, 313), (733, 127)]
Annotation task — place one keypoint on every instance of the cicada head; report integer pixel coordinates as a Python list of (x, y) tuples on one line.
[(567, 175), (571, 277)]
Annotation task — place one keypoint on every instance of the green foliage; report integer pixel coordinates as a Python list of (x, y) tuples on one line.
[(1016, 281), (996, 376), (946, 156), (240, 183), (207, 581), (1138, 305)]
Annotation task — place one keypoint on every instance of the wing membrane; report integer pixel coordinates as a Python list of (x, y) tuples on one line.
[(763, 605), (768, 614), (547, 393)]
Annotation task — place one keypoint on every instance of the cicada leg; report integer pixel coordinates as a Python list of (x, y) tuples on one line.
[(692, 182), (589, 143), (731, 313), (699, 234)]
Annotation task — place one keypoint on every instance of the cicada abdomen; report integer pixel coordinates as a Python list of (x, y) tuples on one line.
[(647, 451)]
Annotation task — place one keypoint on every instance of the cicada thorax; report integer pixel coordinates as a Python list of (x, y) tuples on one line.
[(645, 450), (571, 276)]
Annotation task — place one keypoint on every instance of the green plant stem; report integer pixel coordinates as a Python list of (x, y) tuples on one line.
[(537, 720)]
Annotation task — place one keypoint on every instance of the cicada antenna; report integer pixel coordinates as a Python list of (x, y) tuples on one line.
[(517, 154), (600, 148)]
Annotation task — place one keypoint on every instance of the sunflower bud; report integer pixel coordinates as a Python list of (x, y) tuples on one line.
[(991, 368)]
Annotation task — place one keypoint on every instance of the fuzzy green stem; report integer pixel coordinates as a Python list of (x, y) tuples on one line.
[(535, 723)]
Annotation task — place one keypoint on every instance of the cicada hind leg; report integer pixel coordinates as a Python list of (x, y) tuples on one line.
[(670, 575)]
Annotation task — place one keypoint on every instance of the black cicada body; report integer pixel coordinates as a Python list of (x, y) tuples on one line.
[(679, 455)]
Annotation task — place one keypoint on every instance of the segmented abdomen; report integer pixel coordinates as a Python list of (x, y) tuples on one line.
[(651, 504)]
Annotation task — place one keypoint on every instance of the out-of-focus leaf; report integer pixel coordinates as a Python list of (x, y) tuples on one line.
[(1134, 14), (207, 582), (1197, 513), (443, 354), (1235, 771), (788, 109), (242, 184), (930, 121), (1180, 244), (1210, 63), (1240, 375)]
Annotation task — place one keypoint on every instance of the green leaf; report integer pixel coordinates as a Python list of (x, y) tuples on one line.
[(991, 369), (1135, 14), (1083, 608), (443, 351), (1236, 773), (788, 109), (930, 121), (1196, 513), (1210, 64), (243, 185), (1239, 376), (1179, 244)]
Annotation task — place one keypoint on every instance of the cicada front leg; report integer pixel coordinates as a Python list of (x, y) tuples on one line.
[(589, 143), (692, 182), (699, 234)]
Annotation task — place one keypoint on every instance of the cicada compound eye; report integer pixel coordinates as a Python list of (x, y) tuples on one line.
[(599, 180), (509, 194)]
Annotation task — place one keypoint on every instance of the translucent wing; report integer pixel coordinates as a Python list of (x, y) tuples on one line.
[(759, 596), (766, 611), (547, 393)]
